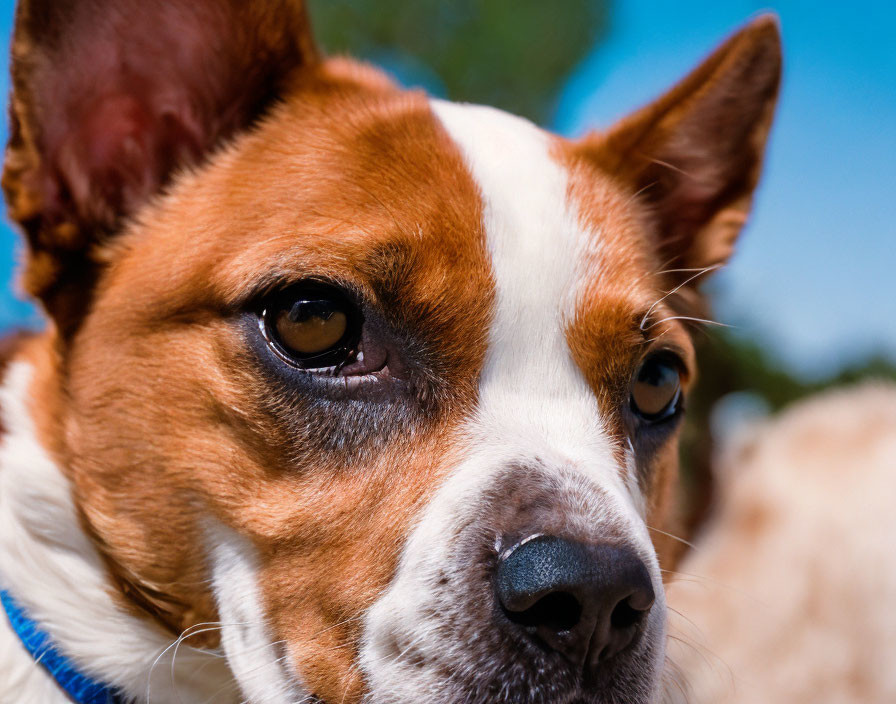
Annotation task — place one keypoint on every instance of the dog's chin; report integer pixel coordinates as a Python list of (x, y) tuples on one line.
[(525, 674), (630, 685), (626, 685)]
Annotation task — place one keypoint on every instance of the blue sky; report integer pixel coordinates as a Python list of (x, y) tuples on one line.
[(12, 310), (814, 274)]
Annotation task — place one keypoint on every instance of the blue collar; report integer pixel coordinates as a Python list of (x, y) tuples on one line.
[(80, 688)]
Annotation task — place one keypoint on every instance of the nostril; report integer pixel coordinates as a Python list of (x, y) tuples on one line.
[(558, 611), (625, 615)]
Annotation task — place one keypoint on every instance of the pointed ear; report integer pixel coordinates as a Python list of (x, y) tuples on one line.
[(110, 97), (694, 155)]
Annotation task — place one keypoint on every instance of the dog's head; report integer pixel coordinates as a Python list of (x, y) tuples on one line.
[(388, 386)]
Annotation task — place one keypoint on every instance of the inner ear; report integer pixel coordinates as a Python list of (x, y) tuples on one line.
[(112, 97), (694, 155)]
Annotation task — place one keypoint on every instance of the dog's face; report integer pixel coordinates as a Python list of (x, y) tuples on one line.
[(389, 387)]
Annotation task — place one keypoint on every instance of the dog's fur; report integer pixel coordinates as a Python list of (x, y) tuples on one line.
[(786, 598), (171, 165)]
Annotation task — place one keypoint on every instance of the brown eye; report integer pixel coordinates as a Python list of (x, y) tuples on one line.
[(309, 332), (656, 388), (314, 328)]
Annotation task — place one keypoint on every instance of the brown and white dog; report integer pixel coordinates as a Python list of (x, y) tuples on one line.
[(372, 397)]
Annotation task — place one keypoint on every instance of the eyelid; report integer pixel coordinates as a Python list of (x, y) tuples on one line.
[(680, 350), (672, 353), (260, 294)]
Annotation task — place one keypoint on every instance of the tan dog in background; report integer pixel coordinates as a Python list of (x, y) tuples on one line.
[(788, 596)]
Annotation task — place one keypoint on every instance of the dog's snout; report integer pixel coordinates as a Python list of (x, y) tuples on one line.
[(586, 601)]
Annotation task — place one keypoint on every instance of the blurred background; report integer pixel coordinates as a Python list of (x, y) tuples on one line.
[(810, 295)]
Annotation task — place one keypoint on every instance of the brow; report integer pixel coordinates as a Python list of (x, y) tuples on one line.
[(379, 278)]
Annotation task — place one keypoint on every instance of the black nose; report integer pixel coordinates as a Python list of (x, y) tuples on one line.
[(585, 601)]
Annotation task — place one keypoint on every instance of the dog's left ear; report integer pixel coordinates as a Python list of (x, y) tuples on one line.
[(694, 155)]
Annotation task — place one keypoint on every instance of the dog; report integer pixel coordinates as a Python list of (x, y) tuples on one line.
[(795, 561), (346, 394)]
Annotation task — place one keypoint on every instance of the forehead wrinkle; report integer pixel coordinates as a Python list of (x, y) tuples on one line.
[(372, 268)]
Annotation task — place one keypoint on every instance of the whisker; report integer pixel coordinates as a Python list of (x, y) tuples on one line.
[(674, 537), (410, 645), (690, 622), (186, 634), (693, 646), (675, 290), (195, 629), (654, 339), (253, 672), (708, 581), (177, 644), (344, 681), (637, 193), (234, 682), (672, 167), (336, 625), (711, 659), (673, 673), (692, 319)]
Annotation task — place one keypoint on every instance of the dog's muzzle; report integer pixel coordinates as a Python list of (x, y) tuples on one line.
[(540, 588)]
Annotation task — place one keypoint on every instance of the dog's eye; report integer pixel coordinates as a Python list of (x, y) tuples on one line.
[(656, 388), (313, 328)]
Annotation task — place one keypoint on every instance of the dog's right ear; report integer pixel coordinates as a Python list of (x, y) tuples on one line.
[(110, 97), (693, 156)]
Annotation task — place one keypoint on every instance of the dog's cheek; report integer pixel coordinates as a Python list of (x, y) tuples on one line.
[(171, 587), (151, 545), (664, 513), (318, 583), (136, 450)]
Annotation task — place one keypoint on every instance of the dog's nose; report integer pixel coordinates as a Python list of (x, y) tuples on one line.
[(586, 601)]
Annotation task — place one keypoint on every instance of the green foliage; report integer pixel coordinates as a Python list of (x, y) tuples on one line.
[(513, 54), (726, 364), (730, 363)]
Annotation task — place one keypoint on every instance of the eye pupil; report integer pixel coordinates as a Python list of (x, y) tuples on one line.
[(656, 390)]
